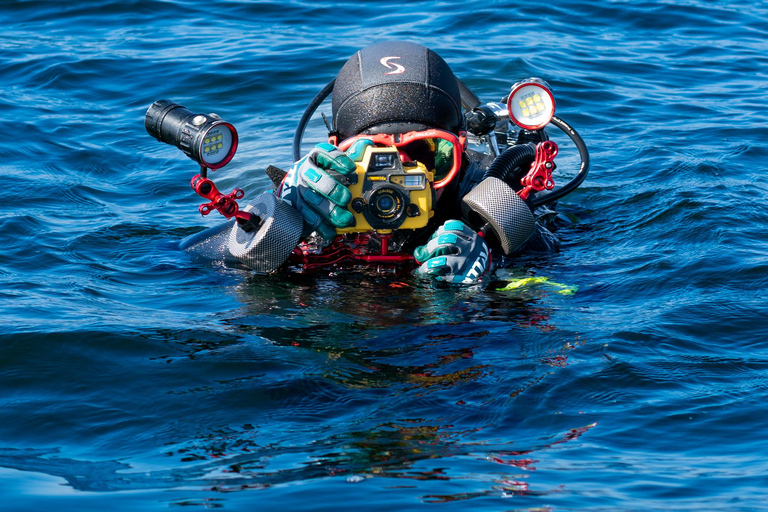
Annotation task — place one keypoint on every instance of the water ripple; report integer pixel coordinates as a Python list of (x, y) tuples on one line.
[(128, 366)]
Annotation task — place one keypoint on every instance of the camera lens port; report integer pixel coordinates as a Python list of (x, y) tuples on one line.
[(386, 207)]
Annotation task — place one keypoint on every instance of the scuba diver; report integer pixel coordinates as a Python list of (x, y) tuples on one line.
[(416, 173)]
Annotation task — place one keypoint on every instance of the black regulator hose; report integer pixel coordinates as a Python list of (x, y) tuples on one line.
[(305, 118), (511, 159)]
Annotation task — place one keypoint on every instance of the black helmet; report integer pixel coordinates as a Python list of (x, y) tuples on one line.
[(395, 87)]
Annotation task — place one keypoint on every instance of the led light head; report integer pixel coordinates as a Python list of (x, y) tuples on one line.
[(218, 145), (204, 138), (531, 104)]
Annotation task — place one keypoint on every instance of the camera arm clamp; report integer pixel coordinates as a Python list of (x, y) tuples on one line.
[(539, 177), (225, 204)]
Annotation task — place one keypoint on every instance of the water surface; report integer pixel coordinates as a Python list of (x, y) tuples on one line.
[(135, 378)]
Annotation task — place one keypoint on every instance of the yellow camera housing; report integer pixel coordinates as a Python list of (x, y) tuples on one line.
[(388, 194)]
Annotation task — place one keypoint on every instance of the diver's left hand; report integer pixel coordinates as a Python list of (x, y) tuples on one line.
[(455, 254)]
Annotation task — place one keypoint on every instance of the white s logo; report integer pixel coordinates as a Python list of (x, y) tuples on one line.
[(394, 66)]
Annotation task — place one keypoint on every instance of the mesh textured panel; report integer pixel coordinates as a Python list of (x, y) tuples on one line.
[(211, 244), (266, 248), (497, 204)]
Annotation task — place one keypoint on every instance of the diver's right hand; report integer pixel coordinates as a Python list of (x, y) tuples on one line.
[(321, 199), (454, 253)]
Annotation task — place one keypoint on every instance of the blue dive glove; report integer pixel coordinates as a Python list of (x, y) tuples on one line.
[(322, 199), (455, 254)]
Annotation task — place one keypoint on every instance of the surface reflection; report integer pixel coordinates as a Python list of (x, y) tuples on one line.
[(402, 451), (400, 381)]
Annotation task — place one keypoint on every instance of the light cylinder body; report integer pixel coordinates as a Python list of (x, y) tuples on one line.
[(205, 138)]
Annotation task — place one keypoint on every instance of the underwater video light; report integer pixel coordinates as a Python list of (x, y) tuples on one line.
[(531, 104), (204, 138)]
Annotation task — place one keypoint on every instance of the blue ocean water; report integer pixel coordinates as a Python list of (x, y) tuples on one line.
[(134, 378)]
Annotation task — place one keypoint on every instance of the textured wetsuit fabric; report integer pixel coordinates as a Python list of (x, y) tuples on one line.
[(395, 87)]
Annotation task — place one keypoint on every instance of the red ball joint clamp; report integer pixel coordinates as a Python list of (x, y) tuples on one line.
[(540, 175), (225, 204)]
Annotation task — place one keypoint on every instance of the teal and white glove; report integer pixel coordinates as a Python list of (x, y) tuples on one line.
[(455, 253), (321, 198)]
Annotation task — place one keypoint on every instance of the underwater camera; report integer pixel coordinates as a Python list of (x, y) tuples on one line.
[(388, 194)]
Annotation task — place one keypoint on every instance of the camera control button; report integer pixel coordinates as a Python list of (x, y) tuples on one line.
[(358, 204)]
